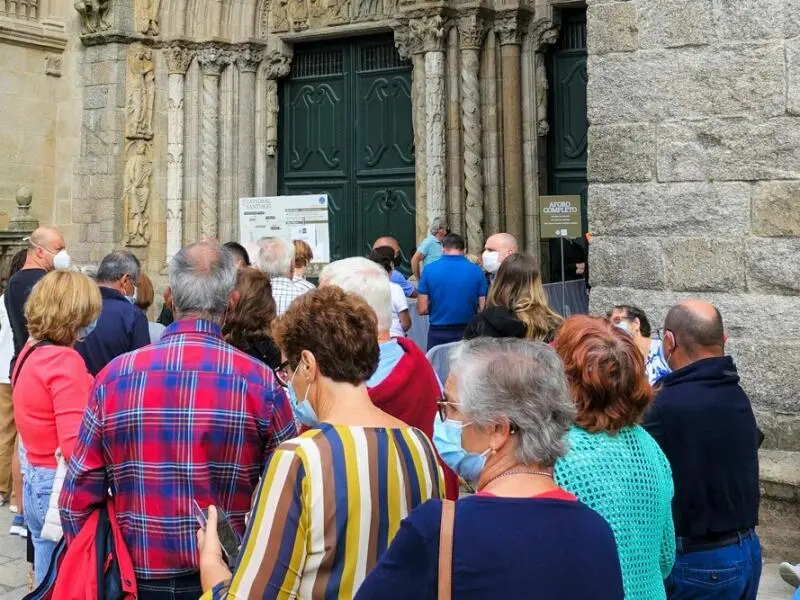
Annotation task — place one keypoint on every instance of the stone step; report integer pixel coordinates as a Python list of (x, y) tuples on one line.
[(780, 505)]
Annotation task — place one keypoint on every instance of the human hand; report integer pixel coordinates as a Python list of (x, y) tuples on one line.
[(580, 268), (213, 569)]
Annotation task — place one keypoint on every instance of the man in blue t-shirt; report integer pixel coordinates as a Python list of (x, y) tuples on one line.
[(452, 290), (430, 250)]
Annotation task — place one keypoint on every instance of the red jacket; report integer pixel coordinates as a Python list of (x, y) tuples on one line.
[(77, 573), (410, 393)]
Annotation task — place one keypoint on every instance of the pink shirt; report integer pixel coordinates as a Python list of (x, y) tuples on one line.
[(50, 394)]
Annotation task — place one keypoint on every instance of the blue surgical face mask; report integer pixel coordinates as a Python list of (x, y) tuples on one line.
[(84, 332), (303, 411), (447, 439)]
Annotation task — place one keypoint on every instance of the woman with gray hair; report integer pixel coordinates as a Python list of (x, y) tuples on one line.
[(507, 404)]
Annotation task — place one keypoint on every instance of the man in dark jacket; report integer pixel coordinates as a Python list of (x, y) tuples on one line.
[(122, 326), (703, 421)]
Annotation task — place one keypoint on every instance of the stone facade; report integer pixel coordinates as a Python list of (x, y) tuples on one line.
[(165, 112), (694, 169)]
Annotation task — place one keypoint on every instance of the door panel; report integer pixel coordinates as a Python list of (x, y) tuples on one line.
[(568, 137), (345, 125)]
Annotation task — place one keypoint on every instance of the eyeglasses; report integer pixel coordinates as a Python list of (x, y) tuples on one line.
[(282, 375), (441, 406)]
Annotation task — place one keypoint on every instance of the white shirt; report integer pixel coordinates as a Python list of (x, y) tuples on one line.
[(399, 304), (6, 343), (284, 290)]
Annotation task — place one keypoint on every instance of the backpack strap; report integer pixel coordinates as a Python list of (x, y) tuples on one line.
[(18, 369), (446, 550)]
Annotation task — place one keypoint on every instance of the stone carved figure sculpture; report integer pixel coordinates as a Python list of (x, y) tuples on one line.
[(542, 87), (136, 198), (94, 15), (367, 9), (146, 16), (298, 12), (141, 93)]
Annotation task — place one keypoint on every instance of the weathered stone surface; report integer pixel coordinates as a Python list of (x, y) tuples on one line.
[(612, 28), (748, 19), (773, 265), (776, 208), (704, 264), (793, 75), (672, 23), (684, 209), (763, 317), (687, 83), (769, 373), (729, 149), (621, 153), (631, 262)]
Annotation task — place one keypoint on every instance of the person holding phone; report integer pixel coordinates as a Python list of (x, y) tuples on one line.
[(310, 535)]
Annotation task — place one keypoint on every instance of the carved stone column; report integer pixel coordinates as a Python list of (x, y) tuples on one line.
[(430, 32), (178, 60), (510, 29), (413, 47), (247, 60), (472, 29), (278, 67), (212, 60), (534, 122)]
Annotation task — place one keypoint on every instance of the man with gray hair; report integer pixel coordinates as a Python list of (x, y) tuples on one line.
[(121, 326), (189, 418), (276, 259), (404, 384), (430, 250)]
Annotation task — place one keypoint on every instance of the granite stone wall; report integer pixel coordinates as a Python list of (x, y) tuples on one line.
[(694, 169)]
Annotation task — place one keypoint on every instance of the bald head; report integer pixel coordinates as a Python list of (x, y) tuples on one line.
[(387, 241), (202, 277), (697, 329), (43, 245), (504, 244)]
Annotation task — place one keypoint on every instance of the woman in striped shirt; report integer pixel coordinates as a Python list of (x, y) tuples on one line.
[(332, 499)]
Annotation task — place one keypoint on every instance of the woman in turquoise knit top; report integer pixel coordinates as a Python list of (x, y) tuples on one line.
[(613, 465)]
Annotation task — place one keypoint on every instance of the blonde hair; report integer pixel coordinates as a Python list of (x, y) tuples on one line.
[(60, 304), (518, 288)]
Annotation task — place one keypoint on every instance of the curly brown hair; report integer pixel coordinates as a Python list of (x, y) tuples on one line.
[(338, 328), (255, 311), (605, 371)]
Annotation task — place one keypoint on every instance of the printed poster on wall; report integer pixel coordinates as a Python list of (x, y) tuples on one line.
[(288, 217)]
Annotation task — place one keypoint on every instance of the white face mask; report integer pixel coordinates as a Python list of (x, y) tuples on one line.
[(625, 326), (491, 261), (62, 260)]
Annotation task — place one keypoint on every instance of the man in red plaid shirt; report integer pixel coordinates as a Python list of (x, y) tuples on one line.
[(187, 418)]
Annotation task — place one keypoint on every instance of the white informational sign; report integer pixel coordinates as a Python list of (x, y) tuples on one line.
[(288, 217)]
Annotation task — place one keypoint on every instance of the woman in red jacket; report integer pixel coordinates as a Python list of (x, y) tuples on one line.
[(50, 390)]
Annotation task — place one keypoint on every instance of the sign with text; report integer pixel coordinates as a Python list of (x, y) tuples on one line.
[(288, 217), (560, 217)]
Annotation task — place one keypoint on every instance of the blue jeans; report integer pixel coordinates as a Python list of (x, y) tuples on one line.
[(37, 483), (728, 573), (176, 588)]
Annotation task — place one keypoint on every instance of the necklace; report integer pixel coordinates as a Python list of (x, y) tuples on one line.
[(516, 472)]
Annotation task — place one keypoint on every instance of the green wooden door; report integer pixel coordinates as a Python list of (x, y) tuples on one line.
[(567, 139), (346, 130)]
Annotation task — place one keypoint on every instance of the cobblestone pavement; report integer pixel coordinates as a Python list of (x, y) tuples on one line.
[(14, 569)]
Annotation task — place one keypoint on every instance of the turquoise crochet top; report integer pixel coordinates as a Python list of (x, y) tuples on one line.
[(626, 479)]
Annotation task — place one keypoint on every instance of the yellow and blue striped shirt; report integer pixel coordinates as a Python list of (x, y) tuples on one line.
[(329, 505)]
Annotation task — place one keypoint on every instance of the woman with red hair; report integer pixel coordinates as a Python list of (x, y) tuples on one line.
[(613, 465)]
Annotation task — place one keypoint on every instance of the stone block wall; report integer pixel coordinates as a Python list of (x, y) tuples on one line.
[(694, 169)]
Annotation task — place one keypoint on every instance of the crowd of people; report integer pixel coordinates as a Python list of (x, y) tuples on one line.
[(269, 437)]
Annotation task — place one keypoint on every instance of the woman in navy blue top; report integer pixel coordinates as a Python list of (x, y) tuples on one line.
[(521, 536)]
